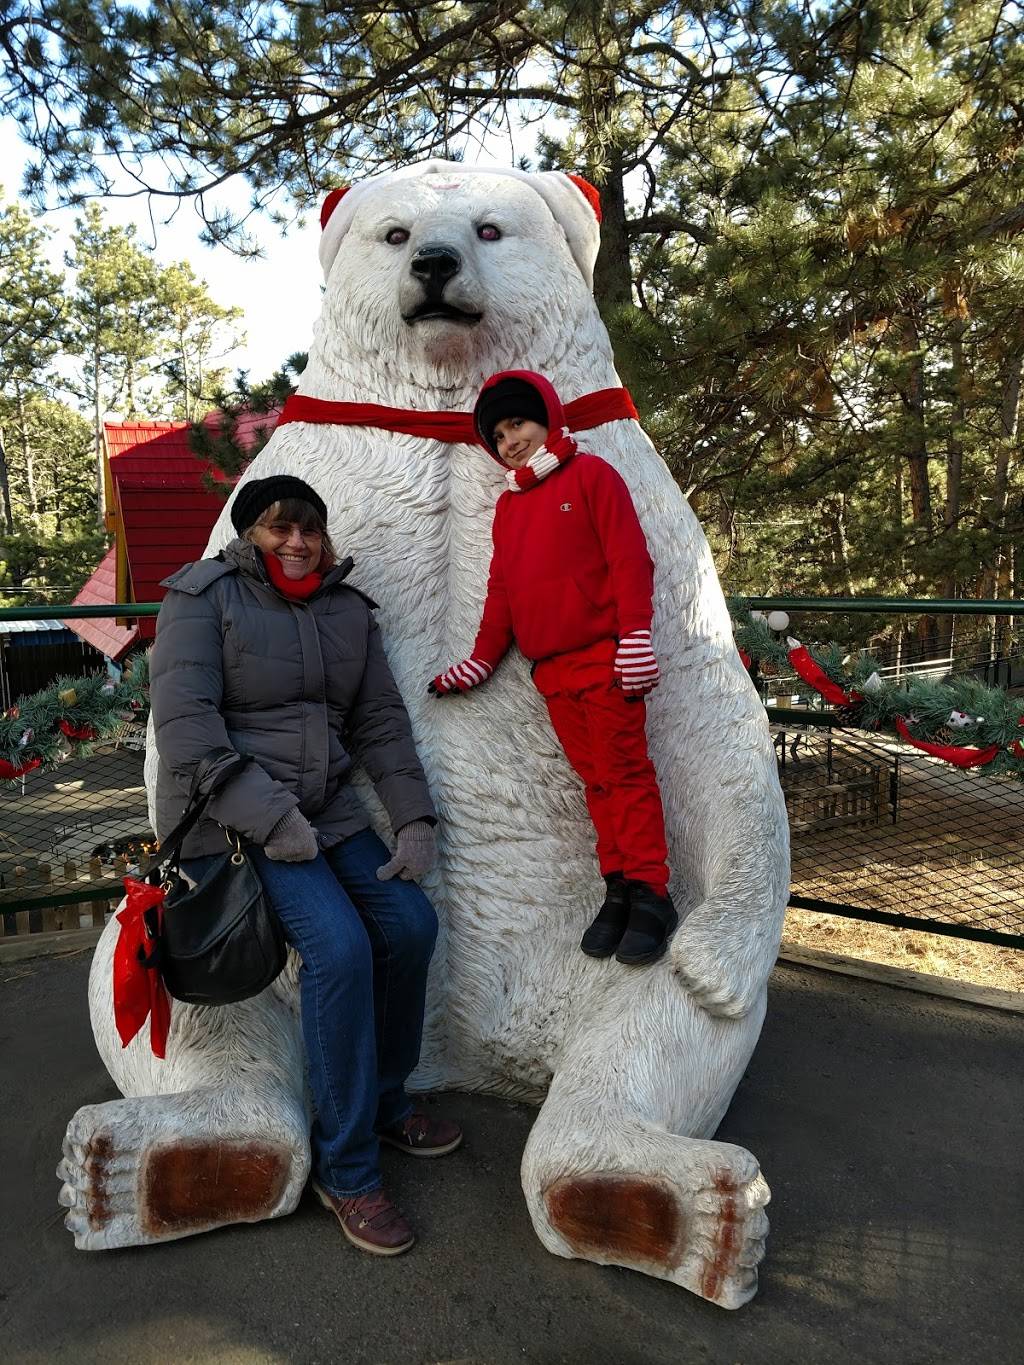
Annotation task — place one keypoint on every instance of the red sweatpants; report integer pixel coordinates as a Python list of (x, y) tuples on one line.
[(605, 740)]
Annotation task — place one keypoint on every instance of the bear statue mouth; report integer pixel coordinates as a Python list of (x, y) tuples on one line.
[(437, 309)]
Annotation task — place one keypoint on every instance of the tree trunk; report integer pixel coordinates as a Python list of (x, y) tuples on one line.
[(5, 487), (26, 454), (913, 396), (97, 433), (840, 544), (954, 479), (186, 384), (996, 579), (129, 385), (613, 284)]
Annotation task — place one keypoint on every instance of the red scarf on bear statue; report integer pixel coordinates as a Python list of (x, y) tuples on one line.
[(582, 414)]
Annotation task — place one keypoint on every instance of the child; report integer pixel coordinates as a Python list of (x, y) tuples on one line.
[(571, 581)]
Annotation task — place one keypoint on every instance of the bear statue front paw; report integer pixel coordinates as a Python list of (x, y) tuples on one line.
[(723, 961)]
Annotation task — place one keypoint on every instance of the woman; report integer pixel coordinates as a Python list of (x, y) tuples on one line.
[(266, 650)]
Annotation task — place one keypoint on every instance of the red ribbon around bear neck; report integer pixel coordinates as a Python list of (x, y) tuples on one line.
[(582, 414)]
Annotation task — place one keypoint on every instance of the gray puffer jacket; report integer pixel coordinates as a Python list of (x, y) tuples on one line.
[(303, 688)]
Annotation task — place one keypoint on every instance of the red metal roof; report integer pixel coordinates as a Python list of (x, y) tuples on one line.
[(163, 512), (103, 633)]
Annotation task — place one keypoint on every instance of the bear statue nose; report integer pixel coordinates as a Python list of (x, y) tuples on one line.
[(435, 265)]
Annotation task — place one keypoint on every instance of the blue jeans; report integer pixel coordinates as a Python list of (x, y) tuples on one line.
[(365, 947)]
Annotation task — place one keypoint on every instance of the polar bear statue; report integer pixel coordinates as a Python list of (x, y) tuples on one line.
[(633, 1068)]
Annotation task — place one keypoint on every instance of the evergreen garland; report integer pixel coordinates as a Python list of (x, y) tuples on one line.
[(69, 717), (970, 724)]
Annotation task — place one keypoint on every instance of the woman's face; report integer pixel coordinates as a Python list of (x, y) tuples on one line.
[(299, 551)]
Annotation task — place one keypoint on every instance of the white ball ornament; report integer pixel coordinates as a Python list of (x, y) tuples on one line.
[(756, 616), (778, 620)]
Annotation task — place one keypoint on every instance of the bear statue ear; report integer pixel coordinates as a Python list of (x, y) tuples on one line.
[(334, 224), (576, 205), (331, 203), (590, 192)]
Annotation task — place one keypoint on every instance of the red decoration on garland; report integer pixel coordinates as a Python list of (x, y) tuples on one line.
[(77, 731), (816, 677), (8, 771), (138, 986), (744, 656), (956, 754)]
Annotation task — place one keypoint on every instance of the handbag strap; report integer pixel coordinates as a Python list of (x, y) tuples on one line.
[(198, 799)]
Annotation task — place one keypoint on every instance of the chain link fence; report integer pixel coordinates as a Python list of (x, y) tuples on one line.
[(69, 835), (880, 831)]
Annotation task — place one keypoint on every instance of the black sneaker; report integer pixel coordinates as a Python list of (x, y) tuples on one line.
[(652, 921), (602, 938)]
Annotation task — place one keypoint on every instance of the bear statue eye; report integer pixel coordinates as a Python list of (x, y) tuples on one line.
[(487, 232), (396, 236)]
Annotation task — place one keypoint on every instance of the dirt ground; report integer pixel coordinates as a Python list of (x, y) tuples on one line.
[(981, 964)]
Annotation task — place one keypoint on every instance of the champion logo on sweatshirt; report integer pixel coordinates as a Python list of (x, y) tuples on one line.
[(566, 507)]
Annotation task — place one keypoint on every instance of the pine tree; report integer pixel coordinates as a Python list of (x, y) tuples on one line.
[(115, 315), (32, 330), (198, 333)]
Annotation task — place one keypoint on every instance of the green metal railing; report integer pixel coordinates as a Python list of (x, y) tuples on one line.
[(48, 612), (891, 606)]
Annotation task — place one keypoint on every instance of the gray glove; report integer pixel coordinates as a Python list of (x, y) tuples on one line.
[(416, 853), (292, 840)]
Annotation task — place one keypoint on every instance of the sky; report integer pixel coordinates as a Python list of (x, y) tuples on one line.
[(279, 294)]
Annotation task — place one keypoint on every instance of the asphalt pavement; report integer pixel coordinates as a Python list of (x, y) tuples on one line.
[(887, 1123)]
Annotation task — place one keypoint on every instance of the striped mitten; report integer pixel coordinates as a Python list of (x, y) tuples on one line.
[(460, 678), (636, 668)]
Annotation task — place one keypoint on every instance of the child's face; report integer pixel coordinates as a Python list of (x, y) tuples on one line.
[(517, 438)]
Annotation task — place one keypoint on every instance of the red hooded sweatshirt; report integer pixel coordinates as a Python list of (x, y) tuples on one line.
[(570, 563)]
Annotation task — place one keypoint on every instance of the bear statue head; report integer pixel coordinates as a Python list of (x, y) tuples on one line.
[(442, 273)]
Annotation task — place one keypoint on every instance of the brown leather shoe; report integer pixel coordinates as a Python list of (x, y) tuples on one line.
[(370, 1221), (420, 1135)]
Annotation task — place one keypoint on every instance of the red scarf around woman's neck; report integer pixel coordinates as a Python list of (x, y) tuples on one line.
[(299, 588)]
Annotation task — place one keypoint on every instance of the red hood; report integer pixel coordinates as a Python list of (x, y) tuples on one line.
[(552, 405)]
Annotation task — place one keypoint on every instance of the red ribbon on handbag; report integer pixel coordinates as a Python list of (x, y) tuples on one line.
[(959, 756), (816, 677), (139, 991)]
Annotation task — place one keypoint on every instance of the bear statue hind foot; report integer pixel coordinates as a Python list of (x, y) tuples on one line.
[(702, 1227), (139, 1171)]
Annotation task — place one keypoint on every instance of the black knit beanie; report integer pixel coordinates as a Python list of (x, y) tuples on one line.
[(508, 398), (254, 497)]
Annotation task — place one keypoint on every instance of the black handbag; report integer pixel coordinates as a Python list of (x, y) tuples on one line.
[(218, 941)]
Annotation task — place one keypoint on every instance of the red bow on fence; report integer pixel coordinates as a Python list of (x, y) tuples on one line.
[(812, 673), (959, 755)]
